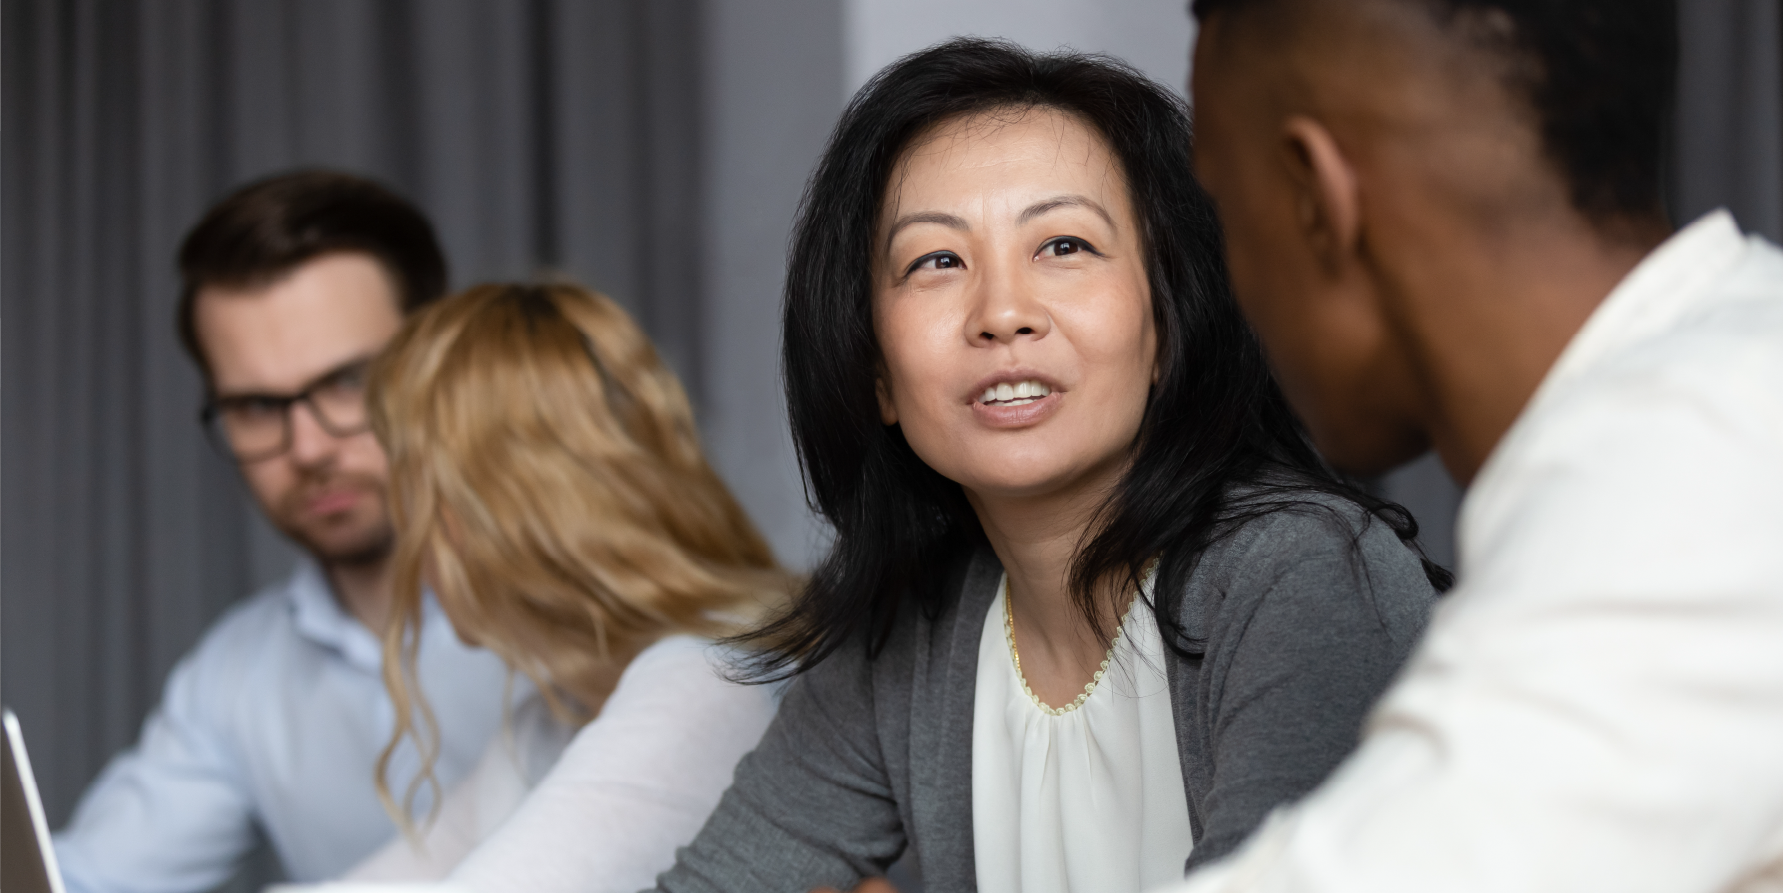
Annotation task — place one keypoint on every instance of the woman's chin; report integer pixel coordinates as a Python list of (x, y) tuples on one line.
[(1031, 484), (1033, 464)]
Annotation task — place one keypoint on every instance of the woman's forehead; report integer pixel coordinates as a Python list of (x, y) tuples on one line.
[(1043, 134), (1001, 151)]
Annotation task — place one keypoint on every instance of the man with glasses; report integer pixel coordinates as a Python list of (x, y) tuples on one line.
[(276, 720)]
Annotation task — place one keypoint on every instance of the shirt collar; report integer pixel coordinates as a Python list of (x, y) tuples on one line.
[(320, 618), (1664, 286), (1668, 283)]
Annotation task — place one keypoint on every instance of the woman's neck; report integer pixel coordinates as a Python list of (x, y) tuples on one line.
[(1037, 538)]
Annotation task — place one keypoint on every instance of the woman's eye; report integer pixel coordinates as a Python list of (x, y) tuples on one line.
[(1065, 245), (940, 260)]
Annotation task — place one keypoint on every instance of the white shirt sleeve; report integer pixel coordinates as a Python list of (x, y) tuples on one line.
[(634, 784)]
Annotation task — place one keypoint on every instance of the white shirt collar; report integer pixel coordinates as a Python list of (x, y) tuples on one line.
[(1665, 285), (1668, 283)]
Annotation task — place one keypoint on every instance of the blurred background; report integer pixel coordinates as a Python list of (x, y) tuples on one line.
[(655, 149)]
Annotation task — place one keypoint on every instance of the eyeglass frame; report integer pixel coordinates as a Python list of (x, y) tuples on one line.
[(210, 414)]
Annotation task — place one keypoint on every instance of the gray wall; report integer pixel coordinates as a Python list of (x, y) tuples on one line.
[(1730, 113), (1154, 36), (772, 71)]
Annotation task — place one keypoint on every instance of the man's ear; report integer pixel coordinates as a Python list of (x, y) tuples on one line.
[(1327, 204), (888, 412)]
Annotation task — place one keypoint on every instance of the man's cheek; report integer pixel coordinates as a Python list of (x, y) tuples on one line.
[(271, 485), (366, 456)]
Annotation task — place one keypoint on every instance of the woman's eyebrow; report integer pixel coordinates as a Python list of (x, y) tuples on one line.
[(1063, 201), (948, 220)]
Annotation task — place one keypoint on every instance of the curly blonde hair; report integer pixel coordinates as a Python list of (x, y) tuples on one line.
[(547, 482)]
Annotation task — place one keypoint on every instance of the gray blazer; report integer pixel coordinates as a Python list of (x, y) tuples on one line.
[(1294, 625)]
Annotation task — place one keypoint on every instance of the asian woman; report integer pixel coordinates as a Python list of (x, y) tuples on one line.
[(1093, 607)]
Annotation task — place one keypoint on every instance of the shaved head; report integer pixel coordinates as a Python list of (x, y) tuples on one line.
[(1594, 79), (1423, 199), (1437, 108)]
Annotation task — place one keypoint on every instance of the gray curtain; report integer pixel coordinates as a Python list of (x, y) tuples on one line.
[(1729, 146), (556, 135)]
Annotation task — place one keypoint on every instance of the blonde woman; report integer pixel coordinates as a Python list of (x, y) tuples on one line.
[(548, 484)]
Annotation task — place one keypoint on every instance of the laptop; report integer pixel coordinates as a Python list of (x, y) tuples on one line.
[(27, 860)]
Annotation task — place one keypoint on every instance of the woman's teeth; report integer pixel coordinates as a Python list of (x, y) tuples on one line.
[(1017, 394)]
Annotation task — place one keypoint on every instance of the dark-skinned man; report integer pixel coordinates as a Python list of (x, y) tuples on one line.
[(1445, 222)]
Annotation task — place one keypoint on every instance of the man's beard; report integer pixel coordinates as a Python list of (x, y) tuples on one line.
[(369, 545), (372, 551)]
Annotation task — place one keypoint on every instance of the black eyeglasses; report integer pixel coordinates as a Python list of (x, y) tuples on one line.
[(255, 427)]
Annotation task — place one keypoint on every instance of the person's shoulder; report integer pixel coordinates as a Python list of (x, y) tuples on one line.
[(678, 653), (1728, 347), (688, 674), (1758, 275), (1705, 388), (246, 630), (1279, 528), (227, 668), (683, 661), (964, 589), (1655, 470), (1311, 553)]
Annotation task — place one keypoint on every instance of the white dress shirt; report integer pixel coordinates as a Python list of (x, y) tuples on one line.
[(632, 785), (1598, 705), (1089, 799), (274, 720)]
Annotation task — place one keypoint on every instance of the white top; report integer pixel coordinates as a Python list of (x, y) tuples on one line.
[(1598, 705), (1087, 798), (274, 720), (517, 759), (630, 787)]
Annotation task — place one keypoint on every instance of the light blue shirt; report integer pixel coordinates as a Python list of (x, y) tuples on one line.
[(276, 719)]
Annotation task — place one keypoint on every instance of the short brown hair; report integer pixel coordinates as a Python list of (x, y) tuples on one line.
[(269, 227)]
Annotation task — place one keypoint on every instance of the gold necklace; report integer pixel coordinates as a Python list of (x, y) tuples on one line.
[(1009, 631)]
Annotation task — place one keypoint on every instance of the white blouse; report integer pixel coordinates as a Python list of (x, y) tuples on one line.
[(630, 787), (1087, 798)]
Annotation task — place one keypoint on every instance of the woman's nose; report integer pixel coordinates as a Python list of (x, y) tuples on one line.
[(1007, 311)]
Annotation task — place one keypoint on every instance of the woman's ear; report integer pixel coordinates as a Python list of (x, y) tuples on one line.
[(1328, 206), (888, 411)]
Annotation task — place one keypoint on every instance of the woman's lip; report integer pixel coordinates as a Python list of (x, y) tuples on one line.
[(1019, 415)]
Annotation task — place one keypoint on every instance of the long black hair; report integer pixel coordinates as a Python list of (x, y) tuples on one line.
[(1215, 425)]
